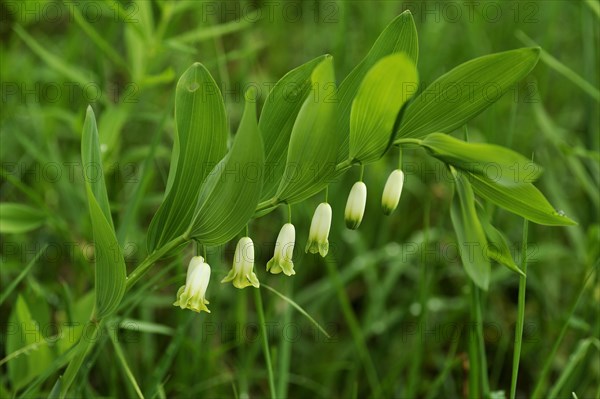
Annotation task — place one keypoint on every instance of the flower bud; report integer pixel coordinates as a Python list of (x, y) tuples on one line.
[(392, 191), (243, 262), (284, 249), (319, 230), (355, 207), (192, 294)]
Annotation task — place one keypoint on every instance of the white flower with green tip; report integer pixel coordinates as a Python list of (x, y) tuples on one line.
[(319, 230), (392, 191), (355, 207), (241, 273), (284, 249), (192, 295)]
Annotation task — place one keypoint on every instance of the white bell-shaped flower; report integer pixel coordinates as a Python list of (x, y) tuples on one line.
[(355, 207), (192, 295), (319, 230), (241, 274), (284, 249), (392, 191)]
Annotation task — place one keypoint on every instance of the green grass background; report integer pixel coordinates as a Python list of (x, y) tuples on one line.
[(393, 295)]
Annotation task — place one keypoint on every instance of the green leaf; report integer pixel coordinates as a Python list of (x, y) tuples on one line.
[(472, 242), (522, 198), (465, 91), (400, 36), (492, 161), (201, 33), (58, 63), (277, 120), (110, 131), (388, 85), (561, 68), (314, 142), (497, 248), (26, 345), (91, 162), (19, 218), (201, 142), (231, 192), (80, 314), (15, 281), (110, 265)]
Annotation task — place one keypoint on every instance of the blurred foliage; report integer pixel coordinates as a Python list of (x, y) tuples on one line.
[(394, 287)]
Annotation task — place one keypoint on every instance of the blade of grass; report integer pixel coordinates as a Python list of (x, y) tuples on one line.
[(354, 326), (126, 369), (474, 366), (23, 351), (557, 342), (21, 275), (125, 15), (574, 360), (286, 349), (560, 67), (415, 364), (59, 362), (166, 361), (298, 308), (89, 30), (265, 342), (521, 313), (483, 369), (145, 327), (209, 32), (71, 72), (77, 361), (451, 362), (242, 350)]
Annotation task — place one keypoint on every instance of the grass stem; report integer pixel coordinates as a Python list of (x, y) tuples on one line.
[(353, 324), (483, 369), (286, 349), (265, 341), (521, 313), (558, 341), (83, 347)]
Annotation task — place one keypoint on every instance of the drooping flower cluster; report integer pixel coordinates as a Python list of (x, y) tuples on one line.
[(192, 295)]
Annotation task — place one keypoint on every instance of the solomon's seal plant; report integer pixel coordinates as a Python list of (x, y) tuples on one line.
[(330, 126)]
